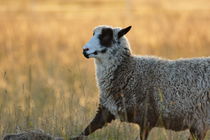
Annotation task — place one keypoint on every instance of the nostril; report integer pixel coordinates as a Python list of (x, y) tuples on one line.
[(86, 49)]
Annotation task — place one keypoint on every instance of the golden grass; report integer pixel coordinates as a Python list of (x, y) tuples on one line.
[(45, 82)]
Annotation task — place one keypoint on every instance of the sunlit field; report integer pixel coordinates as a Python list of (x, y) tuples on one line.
[(46, 82)]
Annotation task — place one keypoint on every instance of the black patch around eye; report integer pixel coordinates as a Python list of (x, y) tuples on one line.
[(106, 37), (93, 33)]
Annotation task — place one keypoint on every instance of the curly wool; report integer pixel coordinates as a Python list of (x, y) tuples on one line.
[(169, 93)]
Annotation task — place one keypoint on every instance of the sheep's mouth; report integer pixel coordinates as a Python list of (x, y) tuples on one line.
[(85, 54), (88, 55)]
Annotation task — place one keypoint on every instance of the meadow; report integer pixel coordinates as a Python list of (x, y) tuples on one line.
[(45, 81)]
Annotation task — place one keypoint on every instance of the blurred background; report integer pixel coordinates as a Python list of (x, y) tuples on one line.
[(46, 83)]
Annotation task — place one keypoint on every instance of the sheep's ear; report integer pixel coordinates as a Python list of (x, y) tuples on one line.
[(123, 31)]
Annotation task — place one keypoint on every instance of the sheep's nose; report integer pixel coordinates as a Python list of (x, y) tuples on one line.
[(85, 52), (86, 49)]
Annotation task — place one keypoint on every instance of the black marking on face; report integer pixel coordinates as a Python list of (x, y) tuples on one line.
[(93, 33), (104, 50), (95, 53), (106, 37)]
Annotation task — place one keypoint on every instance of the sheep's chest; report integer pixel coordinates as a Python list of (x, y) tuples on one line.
[(118, 107), (107, 88), (110, 103), (112, 95), (118, 111)]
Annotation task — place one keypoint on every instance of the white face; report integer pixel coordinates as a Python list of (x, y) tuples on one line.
[(93, 47)]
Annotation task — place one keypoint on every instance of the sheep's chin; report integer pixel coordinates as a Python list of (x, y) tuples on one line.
[(92, 55)]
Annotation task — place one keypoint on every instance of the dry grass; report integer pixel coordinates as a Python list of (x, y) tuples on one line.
[(46, 83)]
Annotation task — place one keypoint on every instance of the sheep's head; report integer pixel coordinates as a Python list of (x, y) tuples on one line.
[(106, 41)]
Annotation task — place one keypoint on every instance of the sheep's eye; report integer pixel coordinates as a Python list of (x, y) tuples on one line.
[(93, 33)]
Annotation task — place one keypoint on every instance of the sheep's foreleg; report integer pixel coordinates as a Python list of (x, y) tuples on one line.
[(102, 117), (144, 133)]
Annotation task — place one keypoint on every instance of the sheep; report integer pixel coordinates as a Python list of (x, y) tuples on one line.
[(148, 91), (31, 135)]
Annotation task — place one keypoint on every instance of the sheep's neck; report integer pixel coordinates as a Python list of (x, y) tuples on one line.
[(106, 68), (107, 75)]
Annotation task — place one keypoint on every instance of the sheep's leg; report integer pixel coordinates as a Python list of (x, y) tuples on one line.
[(102, 117), (144, 133), (197, 134)]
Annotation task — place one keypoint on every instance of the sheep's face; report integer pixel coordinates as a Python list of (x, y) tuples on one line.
[(105, 41)]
